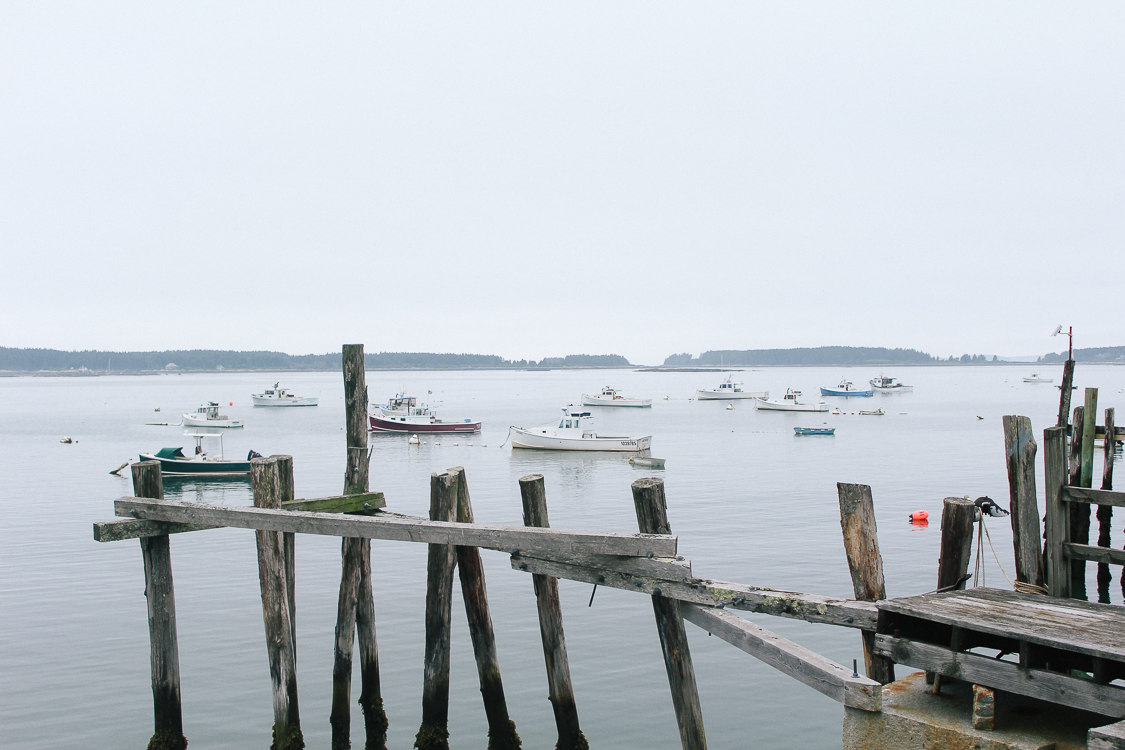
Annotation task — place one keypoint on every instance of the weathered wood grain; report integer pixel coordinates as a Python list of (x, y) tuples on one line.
[(1064, 394), (434, 731), (501, 729), (340, 716), (371, 692), (164, 650), (355, 416), (1089, 425), (1065, 624), (652, 518), (560, 691), (1105, 512), (1094, 497), (1106, 700), (957, 518), (861, 543), (1057, 521), (1079, 513), (1110, 737), (809, 667), (663, 568), (1092, 553), (364, 501), (791, 604), (268, 487), (403, 529), (1020, 448)]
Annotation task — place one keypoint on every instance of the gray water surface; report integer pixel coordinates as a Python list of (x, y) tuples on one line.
[(749, 501)]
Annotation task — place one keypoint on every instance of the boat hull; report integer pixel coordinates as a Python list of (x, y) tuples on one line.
[(840, 392), (893, 388), (297, 401), (728, 396), (548, 442), (192, 468), (405, 424), (778, 406), (594, 400), (190, 420), (814, 430)]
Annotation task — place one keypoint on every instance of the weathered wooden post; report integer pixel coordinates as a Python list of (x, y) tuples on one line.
[(1079, 512), (958, 515), (1020, 448), (1064, 396), (433, 734), (269, 486), (560, 691), (164, 650), (501, 729), (1057, 521), (861, 543), (356, 608), (652, 518), (1105, 512)]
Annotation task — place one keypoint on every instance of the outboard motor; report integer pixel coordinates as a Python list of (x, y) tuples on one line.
[(252, 455)]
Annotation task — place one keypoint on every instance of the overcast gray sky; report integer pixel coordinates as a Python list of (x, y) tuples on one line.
[(534, 179)]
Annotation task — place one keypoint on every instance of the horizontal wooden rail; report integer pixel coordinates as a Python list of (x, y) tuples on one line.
[(663, 568), (823, 675), (130, 528), (808, 607), (1091, 553), (1094, 497), (1053, 687), (505, 538)]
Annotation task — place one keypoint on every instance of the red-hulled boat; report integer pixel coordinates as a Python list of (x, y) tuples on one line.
[(402, 414)]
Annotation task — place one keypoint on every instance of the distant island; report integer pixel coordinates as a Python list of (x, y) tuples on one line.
[(93, 361), (1114, 354), (821, 355)]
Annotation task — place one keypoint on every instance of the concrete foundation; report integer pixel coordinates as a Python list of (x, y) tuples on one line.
[(915, 719)]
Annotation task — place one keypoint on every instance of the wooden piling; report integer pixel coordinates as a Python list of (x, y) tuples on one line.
[(560, 690), (1105, 512), (164, 651), (652, 518), (1079, 512), (269, 486), (1089, 429), (957, 518), (501, 729), (355, 610), (434, 731), (1020, 448), (861, 543), (1057, 519), (1064, 396)]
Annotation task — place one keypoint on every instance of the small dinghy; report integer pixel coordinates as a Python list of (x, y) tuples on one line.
[(871, 412), (208, 416), (647, 462), (814, 430)]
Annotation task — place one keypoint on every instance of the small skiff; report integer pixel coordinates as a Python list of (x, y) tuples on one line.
[(610, 397), (575, 432), (814, 430), (278, 396), (845, 389), (208, 416), (789, 403), (871, 412), (647, 461), (727, 390)]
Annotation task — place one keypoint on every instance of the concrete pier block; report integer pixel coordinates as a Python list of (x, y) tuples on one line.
[(984, 708), (915, 719)]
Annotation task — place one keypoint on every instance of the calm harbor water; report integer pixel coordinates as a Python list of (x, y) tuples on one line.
[(750, 502)]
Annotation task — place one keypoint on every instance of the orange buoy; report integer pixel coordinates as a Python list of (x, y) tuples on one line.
[(231, 404), (919, 515)]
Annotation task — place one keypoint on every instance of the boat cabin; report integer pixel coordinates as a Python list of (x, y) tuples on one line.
[(210, 410), (791, 395)]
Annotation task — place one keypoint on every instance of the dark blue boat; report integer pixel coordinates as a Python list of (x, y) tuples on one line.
[(174, 463)]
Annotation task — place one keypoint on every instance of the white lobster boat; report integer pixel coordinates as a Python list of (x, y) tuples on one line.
[(610, 397), (278, 396), (729, 390), (1034, 378), (889, 385), (208, 416), (789, 403), (575, 432)]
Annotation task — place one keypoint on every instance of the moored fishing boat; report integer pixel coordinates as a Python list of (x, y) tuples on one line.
[(403, 414), (610, 397), (278, 396), (575, 432), (208, 415), (1034, 378), (174, 463), (846, 388), (728, 389), (889, 385), (789, 402)]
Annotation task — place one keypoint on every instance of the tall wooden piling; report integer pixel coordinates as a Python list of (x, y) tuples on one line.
[(1057, 519), (355, 610), (501, 729), (957, 518), (560, 691), (1105, 512), (1064, 396), (652, 518), (164, 650), (1079, 512), (269, 486), (1020, 448), (861, 543), (433, 734)]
